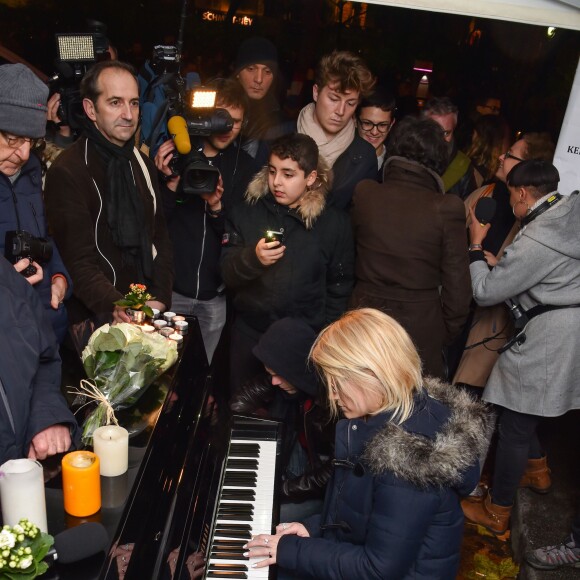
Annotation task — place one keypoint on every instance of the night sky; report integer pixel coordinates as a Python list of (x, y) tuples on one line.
[(531, 72)]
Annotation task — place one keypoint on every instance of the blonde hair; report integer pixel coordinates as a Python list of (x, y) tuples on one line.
[(373, 351)]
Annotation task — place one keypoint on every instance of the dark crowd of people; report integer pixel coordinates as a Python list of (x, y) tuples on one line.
[(349, 263)]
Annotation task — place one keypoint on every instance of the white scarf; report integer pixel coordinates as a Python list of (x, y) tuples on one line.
[(330, 148)]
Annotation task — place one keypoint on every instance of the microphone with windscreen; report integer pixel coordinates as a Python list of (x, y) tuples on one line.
[(78, 543), (485, 210)]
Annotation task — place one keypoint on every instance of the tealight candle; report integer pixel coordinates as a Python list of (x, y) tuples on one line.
[(156, 313), (181, 326), (178, 318), (147, 328), (166, 332), (176, 338), (22, 492), (159, 324), (111, 445), (168, 317), (81, 483)]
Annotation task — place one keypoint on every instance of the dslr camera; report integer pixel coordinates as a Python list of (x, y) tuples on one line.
[(21, 244)]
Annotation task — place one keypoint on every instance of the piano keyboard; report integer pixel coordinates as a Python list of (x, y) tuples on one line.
[(244, 509)]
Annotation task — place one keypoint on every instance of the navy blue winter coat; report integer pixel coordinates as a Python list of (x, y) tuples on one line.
[(25, 196), (30, 397), (392, 509)]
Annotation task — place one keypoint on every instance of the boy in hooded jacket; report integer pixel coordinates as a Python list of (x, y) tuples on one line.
[(304, 270)]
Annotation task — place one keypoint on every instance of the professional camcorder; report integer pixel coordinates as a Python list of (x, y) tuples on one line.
[(21, 244), (190, 112), (76, 53)]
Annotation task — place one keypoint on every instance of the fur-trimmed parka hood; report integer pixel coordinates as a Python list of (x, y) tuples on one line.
[(439, 461), (312, 203)]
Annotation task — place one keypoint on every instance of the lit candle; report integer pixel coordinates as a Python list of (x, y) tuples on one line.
[(81, 483), (22, 492), (111, 444), (147, 328), (176, 338)]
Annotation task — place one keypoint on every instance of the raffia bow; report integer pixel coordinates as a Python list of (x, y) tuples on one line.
[(90, 390)]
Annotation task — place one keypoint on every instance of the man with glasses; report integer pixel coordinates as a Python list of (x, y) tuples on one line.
[(196, 222), (458, 178), (375, 117), (342, 78), (22, 125)]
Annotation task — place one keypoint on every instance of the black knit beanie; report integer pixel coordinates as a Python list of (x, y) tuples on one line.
[(256, 50), (284, 349)]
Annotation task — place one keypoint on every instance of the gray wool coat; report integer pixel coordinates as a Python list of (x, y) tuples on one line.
[(541, 266)]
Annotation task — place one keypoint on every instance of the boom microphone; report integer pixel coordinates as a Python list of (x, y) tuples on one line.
[(78, 543), (177, 127), (485, 210)]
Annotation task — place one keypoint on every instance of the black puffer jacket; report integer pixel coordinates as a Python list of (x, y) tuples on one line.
[(312, 281), (30, 397), (301, 414)]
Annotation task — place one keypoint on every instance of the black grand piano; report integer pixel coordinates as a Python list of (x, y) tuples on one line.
[(200, 484)]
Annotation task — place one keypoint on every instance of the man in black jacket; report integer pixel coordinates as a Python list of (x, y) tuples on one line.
[(342, 78), (35, 421), (196, 222)]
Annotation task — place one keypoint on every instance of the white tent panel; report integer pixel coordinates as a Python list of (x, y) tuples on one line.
[(561, 14)]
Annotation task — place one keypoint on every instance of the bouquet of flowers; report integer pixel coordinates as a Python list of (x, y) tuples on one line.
[(22, 551), (121, 361), (136, 299)]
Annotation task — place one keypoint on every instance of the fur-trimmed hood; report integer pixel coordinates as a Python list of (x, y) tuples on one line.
[(443, 460), (313, 201)]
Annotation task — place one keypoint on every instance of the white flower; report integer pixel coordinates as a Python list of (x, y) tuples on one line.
[(25, 562), (7, 539), (18, 529)]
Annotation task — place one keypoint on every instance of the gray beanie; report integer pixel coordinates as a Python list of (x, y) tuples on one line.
[(22, 102)]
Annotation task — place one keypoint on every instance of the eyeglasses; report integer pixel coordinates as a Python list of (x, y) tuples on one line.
[(367, 126), (15, 142), (510, 155)]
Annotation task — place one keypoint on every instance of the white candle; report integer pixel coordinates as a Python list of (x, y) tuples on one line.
[(111, 445), (22, 492)]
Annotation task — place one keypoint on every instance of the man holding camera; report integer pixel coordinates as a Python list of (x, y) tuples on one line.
[(196, 220), (23, 231), (104, 206)]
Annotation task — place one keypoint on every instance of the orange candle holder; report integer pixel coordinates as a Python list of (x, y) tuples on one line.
[(81, 483)]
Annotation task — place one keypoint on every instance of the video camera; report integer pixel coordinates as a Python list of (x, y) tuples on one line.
[(77, 52), (191, 112)]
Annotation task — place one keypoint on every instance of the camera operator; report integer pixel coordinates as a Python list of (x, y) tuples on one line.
[(22, 123), (103, 203), (196, 222)]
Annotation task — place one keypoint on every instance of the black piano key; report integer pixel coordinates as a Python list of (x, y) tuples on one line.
[(225, 574), (242, 474), (242, 464), (237, 510), (241, 483), (244, 450), (231, 549), (232, 567), (239, 494), (216, 544), (227, 556), (242, 527), (236, 505)]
